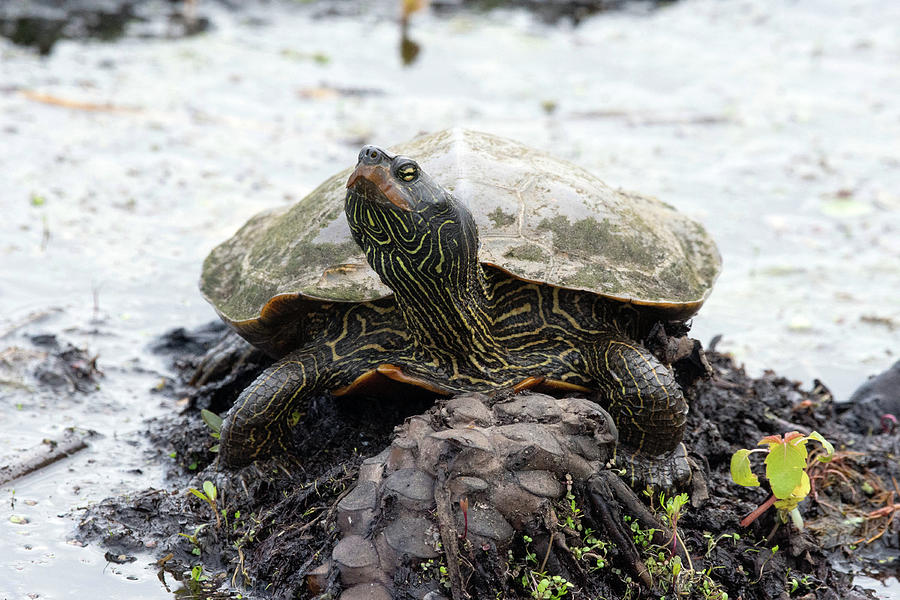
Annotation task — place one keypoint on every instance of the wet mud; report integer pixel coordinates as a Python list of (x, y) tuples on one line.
[(279, 522)]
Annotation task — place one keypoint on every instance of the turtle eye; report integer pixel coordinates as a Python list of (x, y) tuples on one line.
[(408, 171)]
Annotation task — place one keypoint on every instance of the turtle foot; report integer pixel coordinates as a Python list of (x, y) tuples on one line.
[(468, 481), (667, 473)]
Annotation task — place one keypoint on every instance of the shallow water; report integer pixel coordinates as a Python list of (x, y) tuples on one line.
[(774, 124)]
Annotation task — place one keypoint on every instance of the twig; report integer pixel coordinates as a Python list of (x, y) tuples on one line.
[(546, 554), (74, 104), (44, 454), (448, 532)]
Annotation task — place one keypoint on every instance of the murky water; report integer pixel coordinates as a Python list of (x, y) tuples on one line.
[(123, 164)]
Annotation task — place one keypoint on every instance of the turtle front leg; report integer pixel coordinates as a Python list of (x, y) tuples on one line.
[(258, 423), (648, 408)]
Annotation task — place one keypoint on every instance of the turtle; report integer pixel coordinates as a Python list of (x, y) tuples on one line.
[(457, 262)]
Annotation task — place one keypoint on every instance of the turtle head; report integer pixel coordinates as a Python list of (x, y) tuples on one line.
[(407, 224)]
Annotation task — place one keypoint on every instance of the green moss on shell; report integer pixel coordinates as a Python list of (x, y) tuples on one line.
[(530, 252), (590, 237), (500, 218)]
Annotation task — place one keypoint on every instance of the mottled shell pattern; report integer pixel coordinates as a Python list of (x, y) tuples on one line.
[(539, 218)]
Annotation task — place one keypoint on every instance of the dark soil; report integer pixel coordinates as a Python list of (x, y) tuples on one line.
[(276, 522)]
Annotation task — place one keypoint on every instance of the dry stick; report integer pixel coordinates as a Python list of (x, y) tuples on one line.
[(44, 454), (446, 525)]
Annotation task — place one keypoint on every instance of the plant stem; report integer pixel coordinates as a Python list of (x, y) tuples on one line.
[(759, 511)]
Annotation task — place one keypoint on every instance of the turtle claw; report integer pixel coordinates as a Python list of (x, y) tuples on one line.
[(229, 484), (667, 473)]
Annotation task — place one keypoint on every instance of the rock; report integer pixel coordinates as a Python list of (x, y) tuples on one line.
[(529, 407), (411, 536), (504, 460), (413, 488), (317, 579), (463, 487), (462, 411), (366, 591), (540, 483), (466, 438), (487, 522), (400, 458), (516, 504), (357, 560), (357, 510), (870, 408), (372, 468), (528, 446)]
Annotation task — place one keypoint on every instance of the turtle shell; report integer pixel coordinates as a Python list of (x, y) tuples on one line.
[(539, 218)]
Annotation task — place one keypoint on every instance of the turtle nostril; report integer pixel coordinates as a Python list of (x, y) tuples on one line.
[(370, 155)]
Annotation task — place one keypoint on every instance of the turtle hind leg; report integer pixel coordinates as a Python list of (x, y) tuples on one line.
[(258, 424), (649, 410)]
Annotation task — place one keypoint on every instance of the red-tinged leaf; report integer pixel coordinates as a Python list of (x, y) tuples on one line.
[(770, 440), (793, 435)]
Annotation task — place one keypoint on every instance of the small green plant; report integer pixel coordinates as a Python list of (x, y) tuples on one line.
[(546, 587), (590, 550), (673, 507), (432, 569), (197, 574), (194, 540), (642, 538), (712, 542), (214, 422), (794, 583), (208, 495), (787, 460)]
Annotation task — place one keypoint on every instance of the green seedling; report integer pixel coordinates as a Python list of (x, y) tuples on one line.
[(546, 587), (197, 574), (787, 461), (214, 422), (208, 495), (194, 540), (673, 507)]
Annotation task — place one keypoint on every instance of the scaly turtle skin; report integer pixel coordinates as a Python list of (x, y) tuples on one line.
[(536, 300)]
